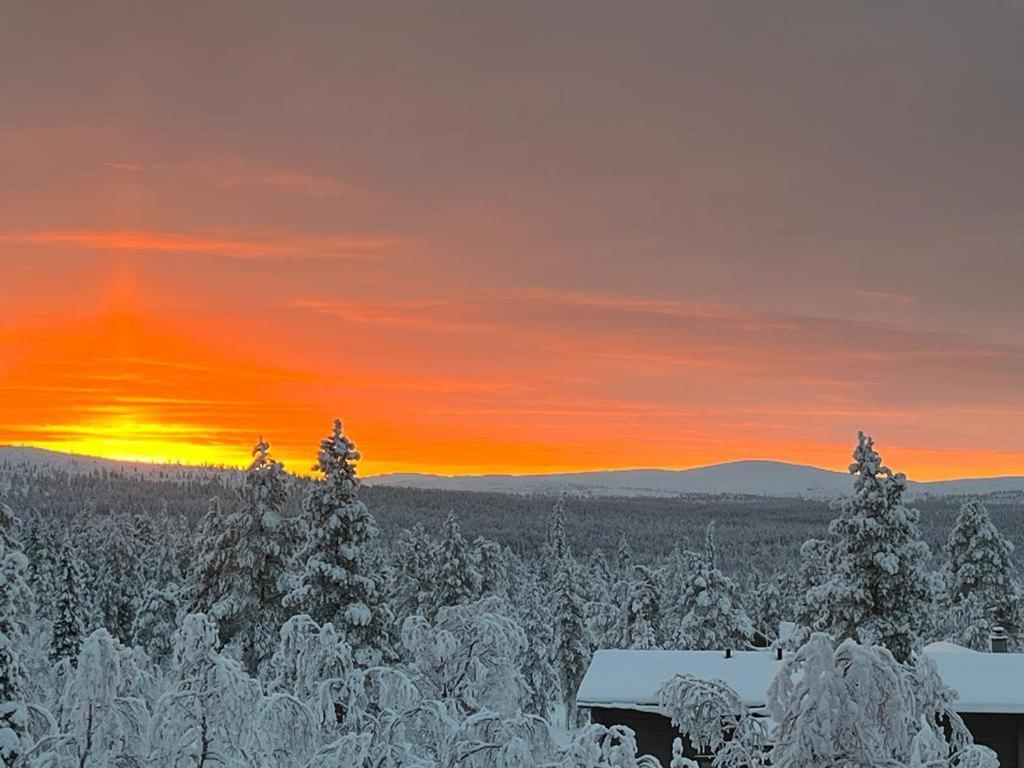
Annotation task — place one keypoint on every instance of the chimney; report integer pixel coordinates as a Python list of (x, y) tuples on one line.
[(728, 653), (999, 640), (778, 653)]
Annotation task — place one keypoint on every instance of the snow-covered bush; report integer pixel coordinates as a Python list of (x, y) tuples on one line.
[(832, 705)]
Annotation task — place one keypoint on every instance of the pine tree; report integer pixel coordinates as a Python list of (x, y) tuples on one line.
[(555, 546), (13, 711), (879, 592), (155, 625), (414, 555), (816, 567), (570, 644), (456, 578), (68, 621), (642, 626), (243, 573), (624, 560), (117, 574), (41, 551), (535, 617), (334, 584), (980, 567), (768, 607), (713, 618), (489, 561), (211, 547)]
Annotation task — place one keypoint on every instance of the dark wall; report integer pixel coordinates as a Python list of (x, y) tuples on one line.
[(1003, 733), (655, 733)]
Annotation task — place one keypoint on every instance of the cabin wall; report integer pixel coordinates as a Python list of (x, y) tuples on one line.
[(654, 733), (1002, 733)]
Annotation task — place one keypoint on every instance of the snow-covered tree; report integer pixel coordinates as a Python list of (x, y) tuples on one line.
[(833, 705), (101, 717), (155, 624), (624, 558), (599, 746), (492, 565), (885, 704), (768, 608), (816, 566), (604, 612), (307, 656), (468, 654), (114, 562), (981, 590), (334, 584), (41, 548), (555, 545), (879, 591), (455, 576), (211, 548), (205, 719), (642, 612), (243, 577), (68, 614), (535, 617), (571, 648), (713, 618), (413, 553), (714, 719), (14, 740)]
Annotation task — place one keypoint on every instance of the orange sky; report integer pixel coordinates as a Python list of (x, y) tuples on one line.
[(514, 240)]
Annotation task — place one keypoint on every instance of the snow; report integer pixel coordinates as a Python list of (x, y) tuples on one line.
[(756, 477), (630, 679)]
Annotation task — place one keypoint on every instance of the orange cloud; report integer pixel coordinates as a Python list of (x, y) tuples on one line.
[(252, 246)]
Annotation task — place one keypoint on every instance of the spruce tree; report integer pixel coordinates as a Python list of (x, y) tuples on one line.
[(211, 547), (570, 644), (980, 567), (642, 625), (13, 711), (155, 622), (767, 606), (249, 610), (815, 568), (712, 617), (117, 574), (334, 584), (68, 621), (555, 546), (456, 578), (879, 591), (535, 617)]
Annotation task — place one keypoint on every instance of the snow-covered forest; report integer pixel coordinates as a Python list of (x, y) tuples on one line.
[(262, 619)]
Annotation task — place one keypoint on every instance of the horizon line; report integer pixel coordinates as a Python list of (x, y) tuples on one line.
[(180, 464)]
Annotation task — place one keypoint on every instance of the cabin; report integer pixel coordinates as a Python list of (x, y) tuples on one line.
[(620, 688)]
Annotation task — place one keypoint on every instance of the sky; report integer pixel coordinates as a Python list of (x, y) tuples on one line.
[(515, 237)]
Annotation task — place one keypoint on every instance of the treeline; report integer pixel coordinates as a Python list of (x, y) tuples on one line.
[(258, 619)]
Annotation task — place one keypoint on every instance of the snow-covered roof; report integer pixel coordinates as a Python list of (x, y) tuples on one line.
[(985, 682)]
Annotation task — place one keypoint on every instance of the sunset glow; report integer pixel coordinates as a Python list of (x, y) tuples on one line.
[(523, 284)]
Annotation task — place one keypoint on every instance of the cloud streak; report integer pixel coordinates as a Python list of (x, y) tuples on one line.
[(251, 246)]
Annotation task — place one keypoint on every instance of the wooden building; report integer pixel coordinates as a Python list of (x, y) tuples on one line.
[(620, 688)]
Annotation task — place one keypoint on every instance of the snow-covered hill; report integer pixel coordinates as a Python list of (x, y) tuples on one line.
[(756, 478), (761, 478), (12, 456)]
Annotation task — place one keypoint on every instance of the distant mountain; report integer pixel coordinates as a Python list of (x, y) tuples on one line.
[(755, 478), (759, 478)]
